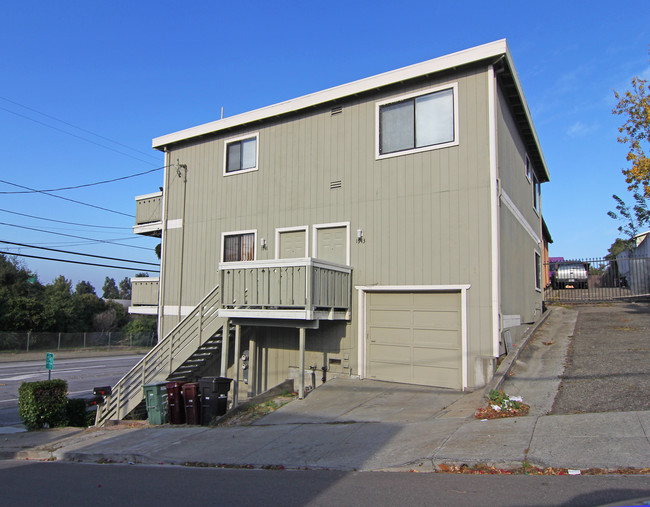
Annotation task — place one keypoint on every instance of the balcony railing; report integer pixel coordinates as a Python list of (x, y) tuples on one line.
[(304, 289), (148, 214), (144, 295)]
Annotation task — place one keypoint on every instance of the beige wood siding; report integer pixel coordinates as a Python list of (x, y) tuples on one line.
[(415, 338)]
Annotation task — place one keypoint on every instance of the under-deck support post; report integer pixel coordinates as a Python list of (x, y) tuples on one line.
[(301, 377), (252, 365), (235, 387), (225, 340)]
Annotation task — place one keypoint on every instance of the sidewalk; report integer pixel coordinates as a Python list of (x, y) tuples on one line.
[(350, 424)]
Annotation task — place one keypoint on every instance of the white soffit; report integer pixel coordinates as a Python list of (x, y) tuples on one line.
[(490, 50)]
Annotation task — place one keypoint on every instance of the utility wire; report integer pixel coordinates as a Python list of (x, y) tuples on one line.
[(79, 137), (85, 185), (60, 221), (73, 236), (66, 199), (80, 254), (80, 262)]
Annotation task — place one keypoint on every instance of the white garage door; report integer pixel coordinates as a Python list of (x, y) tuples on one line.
[(415, 338)]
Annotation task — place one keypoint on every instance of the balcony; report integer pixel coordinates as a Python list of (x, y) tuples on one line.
[(292, 289), (144, 295), (148, 214)]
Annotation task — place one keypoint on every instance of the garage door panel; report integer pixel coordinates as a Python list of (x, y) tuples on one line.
[(390, 353), (414, 338), (390, 317), (435, 320), (393, 372), (397, 336), (440, 377), (435, 338)]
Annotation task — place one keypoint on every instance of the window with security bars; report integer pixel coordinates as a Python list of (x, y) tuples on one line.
[(239, 247)]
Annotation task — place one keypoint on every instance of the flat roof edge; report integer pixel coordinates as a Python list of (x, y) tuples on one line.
[(489, 50)]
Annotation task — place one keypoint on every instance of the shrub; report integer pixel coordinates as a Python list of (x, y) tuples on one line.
[(43, 404), (78, 413)]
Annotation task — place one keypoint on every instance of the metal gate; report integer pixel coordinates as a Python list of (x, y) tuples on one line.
[(591, 280)]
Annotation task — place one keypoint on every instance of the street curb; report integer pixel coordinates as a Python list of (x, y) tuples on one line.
[(508, 363)]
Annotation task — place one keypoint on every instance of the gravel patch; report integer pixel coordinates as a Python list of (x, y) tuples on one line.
[(608, 363)]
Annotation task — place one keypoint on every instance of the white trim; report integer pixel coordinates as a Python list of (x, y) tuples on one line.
[(278, 263), (495, 271), (174, 309), (333, 225), (175, 223), (148, 196), (398, 98), (362, 328), (280, 230), (226, 142), (146, 228), (235, 233), (143, 310), (505, 199), (145, 279)]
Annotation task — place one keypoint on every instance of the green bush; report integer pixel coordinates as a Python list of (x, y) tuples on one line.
[(43, 404)]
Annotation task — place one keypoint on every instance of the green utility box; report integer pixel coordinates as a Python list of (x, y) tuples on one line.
[(155, 396)]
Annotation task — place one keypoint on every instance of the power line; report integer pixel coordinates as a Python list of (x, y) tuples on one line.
[(66, 199), (75, 135), (85, 185), (130, 268), (72, 236), (80, 254), (60, 221)]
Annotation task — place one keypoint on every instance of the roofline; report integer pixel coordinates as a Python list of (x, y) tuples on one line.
[(464, 57)]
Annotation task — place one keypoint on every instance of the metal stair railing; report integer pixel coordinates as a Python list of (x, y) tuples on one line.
[(166, 357)]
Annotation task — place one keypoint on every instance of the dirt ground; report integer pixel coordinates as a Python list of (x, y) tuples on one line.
[(608, 363)]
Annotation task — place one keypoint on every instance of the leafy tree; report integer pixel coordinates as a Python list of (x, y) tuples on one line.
[(59, 309), (142, 275), (20, 297), (125, 288), (157, 250), (141, 324), (634, 106), (85, 307), (634, 219), (110, 289), (84, 287), (620, 245), (112, 318)]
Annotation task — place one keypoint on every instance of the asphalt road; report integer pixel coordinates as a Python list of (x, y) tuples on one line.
[(81, 374), (27, 483)]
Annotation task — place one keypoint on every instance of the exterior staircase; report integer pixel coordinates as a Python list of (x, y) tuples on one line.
[(178, 356)]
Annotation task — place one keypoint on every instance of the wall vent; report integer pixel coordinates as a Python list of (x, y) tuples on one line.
[(336, 110), (335, 184)]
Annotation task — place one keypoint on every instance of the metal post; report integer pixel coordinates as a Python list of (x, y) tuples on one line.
[(225, 338), (109, 339), (29, 334), (301, 378), (235, 387), (84, 340), (252, 367), (58, 346)]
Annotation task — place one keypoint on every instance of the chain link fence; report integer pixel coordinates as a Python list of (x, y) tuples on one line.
[(28, 341)]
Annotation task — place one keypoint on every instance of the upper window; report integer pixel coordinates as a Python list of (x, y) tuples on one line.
[(536, 193), (529, 169), (240, 154), (538, 271), (239, 247), (418, 122)]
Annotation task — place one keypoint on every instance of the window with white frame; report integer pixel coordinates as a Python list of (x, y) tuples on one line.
[(240, 154), (536, 193), (238, 247), (529, 169), (538, 271), (418, 122)]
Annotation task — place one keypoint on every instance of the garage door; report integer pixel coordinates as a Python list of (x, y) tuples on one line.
[(414, 338)]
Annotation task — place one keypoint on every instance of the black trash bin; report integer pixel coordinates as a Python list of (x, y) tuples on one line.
[(192, 400), (175, 402), (214, 397)]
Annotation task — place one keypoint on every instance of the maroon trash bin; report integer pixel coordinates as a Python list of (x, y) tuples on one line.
[(175, 402), (192, 402)]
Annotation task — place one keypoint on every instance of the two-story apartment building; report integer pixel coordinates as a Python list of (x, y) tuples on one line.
[(389, 228)]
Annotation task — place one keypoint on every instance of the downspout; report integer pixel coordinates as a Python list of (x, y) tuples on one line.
[(494, 214), (181, 170), (163, 241)]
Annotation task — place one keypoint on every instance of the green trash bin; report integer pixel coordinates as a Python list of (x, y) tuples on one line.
[(155, 396)]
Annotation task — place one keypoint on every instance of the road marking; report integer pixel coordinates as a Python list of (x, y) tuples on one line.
[(32, 375)]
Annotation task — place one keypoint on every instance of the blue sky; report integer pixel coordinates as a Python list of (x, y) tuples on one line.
[(131, 71)]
